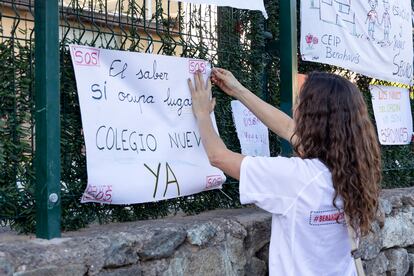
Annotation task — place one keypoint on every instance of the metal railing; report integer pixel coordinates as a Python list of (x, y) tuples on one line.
[(47, 124)]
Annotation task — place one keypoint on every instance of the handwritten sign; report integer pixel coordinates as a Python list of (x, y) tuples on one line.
[(142, 140), (238, 4), (392, 113), (252, 133), (371, 37)]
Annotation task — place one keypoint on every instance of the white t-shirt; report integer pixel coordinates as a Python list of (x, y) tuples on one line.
[(306, 238)]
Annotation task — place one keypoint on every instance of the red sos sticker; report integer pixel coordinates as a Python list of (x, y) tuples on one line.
[(85, 56), (195, 65), (102, 193), (213, 181)]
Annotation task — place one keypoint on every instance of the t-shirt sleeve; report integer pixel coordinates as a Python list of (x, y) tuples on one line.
[(270, 182)]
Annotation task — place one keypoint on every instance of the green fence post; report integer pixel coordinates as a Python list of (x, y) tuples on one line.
[(288, 60), (47, 127)]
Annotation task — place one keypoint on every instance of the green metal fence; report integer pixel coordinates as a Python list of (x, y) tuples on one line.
[(240, 41)]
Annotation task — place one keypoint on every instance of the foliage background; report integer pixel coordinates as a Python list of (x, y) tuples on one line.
[(238, 41)]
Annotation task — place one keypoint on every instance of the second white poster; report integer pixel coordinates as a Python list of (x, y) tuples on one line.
[(370, 37)]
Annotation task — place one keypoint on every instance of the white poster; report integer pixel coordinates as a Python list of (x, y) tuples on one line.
[(238, 4), (370, 37), (252, 133), (142, 140), (392, 113)]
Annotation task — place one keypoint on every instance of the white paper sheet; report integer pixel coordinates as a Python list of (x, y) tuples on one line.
[(142, 141), (392, 113), (252, 133), (238, 4), (370, 37)]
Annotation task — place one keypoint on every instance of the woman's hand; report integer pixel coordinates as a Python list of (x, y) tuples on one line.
[(218, 154), (227, 82), (202, 102)]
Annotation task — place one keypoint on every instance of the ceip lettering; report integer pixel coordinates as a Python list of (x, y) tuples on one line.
[(331, 40)]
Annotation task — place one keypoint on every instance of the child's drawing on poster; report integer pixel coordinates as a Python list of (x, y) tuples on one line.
[(386, 22), (336, 12), (372, 18), (370, 37)]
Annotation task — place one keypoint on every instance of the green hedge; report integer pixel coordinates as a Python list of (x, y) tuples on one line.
[(238, 44)]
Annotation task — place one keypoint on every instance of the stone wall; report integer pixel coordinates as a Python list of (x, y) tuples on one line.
[(389, 250), (222, 242)]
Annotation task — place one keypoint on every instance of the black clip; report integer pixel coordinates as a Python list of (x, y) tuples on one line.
[(356, 254)]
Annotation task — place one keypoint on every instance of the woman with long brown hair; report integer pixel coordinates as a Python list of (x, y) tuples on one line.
[(336, 171)]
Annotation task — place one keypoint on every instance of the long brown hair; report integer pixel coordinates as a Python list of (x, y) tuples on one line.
[(332, 124)]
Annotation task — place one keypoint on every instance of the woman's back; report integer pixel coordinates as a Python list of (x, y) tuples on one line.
[(331, 130), (309, 235)]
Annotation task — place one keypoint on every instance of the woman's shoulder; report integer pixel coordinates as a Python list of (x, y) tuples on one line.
[(289, 165), (294, 160)]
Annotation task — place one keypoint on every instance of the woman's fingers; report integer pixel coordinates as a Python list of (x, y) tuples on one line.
[(200, 80), (213, 104), (191, 86), (200, 84), (196, 81), (220, 70), (215, 80), (218, 73), (202, 104), (208, 86)]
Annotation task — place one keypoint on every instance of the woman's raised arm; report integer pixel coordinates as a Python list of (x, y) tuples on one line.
[(218, 154), (276, 120)]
